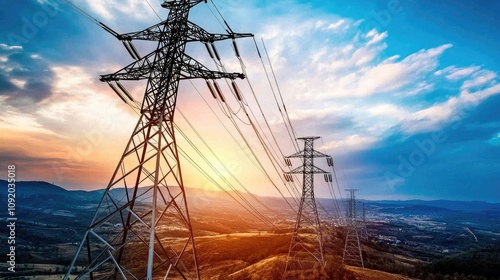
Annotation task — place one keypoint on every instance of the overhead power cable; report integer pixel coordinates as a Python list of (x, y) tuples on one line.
[(222, 163), (221, 67), (279, 91)]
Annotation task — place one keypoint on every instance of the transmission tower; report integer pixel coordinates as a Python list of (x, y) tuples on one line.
[(142, 228), (352, 248), (306, 247)]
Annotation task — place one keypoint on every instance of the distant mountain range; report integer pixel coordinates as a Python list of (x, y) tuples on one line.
[(39, 195), (34, 194), (463, 206)]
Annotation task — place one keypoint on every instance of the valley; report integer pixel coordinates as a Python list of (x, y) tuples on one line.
[(405, 239)]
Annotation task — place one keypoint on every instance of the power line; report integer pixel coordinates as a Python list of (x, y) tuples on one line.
[(254, 211), (279, 91), (154, 11), (151, 147), (220, 66), (221, 162), (292, 137)]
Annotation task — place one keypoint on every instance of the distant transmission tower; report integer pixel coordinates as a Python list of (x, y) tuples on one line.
[(306, 247), (352, 248), (141, 228)]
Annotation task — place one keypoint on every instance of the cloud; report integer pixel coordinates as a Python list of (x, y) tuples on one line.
[(352, 142), (369, 102), (348, 65), (453, 73), (451, 110), (346, 68), (375, 37), (388, 110), (389, 99), (25, 79), (465, 151), (480, 79), (336, 25), (115, 10)]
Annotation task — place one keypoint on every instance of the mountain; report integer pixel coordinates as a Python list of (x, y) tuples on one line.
[(35, 195), (464, 206), (415, 210), (234, 244)]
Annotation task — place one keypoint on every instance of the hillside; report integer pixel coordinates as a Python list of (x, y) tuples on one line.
[(232, 244)]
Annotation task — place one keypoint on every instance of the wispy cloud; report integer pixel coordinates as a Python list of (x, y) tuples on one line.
[(366, 97), (114, 10), (25, 79)]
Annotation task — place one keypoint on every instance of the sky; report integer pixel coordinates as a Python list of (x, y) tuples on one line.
[(404, 94)]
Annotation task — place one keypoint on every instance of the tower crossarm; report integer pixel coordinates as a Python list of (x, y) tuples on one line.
[(137, 70), (196, 33), (302, 154), (192, 69), (301, 169), (152, 33), (172, 4)]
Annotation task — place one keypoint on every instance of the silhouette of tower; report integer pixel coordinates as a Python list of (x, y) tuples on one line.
[(142, 228), (306, 247), (352, 248)]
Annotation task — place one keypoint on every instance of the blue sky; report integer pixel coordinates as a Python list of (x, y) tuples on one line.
[(405, 94)]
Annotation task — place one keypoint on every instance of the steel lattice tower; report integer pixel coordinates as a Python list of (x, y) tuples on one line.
[(142, 228), (306, 247), (352, 248)]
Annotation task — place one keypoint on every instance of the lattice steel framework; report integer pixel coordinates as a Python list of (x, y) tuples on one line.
[(142, 228), (306, 247), (352, 248)]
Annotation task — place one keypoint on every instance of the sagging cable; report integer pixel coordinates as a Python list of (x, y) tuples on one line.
[(109, 30)]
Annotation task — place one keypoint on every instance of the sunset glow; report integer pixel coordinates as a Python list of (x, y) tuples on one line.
[(376, 81)]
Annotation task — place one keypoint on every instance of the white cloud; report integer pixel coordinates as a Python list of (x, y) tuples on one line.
[(372, 33), (388, 76), (453, 109), (480, 78), (336, 25), (78, 96), (420, 88), (459, 73), (375, 37), (18, 82), (10, 48), (388, 110), (350, 71), (352, 142), (14, 120), (116, 10)]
